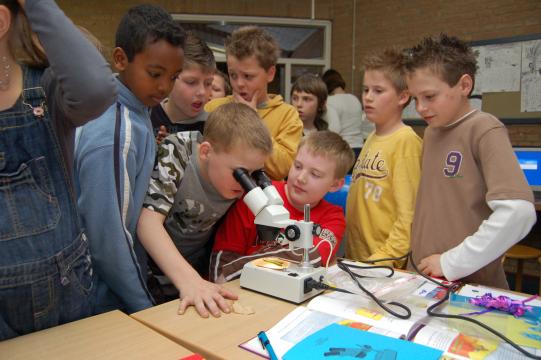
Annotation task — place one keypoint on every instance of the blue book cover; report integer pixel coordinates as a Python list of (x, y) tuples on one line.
[(344, 342)]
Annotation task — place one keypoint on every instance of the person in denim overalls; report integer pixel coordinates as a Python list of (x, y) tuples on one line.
[(45, 269)]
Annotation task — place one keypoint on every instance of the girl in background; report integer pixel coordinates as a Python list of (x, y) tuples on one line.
[(221, 87), (309, 97)]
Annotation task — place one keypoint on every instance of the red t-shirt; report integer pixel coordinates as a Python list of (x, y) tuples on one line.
[(238, 233)]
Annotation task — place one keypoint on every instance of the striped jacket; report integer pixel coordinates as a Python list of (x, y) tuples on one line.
[(114, 156)]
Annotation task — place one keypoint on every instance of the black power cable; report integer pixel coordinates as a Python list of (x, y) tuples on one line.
[(452, 288), (430, 310), (347, 268)]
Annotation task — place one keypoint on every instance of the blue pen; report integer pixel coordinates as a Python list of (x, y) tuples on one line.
[(267, 345)]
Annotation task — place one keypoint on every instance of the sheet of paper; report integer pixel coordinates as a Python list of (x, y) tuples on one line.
[(530, 99), (410, 112), (478, 86), (345, 341), (359, 309), (499, 67), (505, 351), (524, 330), (294, 327), (474, 291)]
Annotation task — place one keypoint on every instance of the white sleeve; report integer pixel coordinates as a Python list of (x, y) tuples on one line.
[(510, 221)]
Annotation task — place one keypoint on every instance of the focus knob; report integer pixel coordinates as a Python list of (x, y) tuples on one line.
[(293, 232), (316, 230)]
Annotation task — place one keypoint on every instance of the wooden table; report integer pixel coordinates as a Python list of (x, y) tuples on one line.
[(112, 335), (217, 338)]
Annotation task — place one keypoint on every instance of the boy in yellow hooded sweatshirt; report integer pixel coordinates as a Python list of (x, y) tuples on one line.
[(252, 54)]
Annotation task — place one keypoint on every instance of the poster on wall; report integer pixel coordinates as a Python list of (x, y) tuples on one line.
[(478, 85), (476, 102), (409, 112), (530, 99), (499, 67)]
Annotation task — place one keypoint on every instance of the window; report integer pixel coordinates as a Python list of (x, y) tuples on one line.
[(305, 44)]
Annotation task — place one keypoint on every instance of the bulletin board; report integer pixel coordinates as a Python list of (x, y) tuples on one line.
[(508, 81)]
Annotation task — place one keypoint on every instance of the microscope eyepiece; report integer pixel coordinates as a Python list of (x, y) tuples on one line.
[(244, 179), (261, 178)]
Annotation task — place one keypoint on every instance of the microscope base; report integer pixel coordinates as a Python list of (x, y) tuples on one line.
[(287, 284)]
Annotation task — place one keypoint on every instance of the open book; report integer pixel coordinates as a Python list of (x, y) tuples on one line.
[(457, 340)]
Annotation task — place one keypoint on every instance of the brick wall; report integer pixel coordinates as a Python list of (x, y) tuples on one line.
[(403, 23), (378, 23), (101, 17)]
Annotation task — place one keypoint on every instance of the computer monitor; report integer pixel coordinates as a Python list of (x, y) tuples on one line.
[(529, 159)]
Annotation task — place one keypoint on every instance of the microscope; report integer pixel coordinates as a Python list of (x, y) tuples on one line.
[(291, 282)]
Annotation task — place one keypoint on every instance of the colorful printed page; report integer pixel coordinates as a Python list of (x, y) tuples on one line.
[(455, 344), (525, 330), (301, 323), (359, 309), (341, 341), (470, 291)]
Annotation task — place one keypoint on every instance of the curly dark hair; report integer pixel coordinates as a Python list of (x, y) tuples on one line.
[(147, 24), (447, 55)]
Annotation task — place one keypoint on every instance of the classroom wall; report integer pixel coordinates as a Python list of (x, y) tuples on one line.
[(403, 23), (373, 24), (101, 17), (469, 20)]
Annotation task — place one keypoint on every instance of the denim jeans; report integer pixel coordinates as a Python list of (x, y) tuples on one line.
[(45, 269)]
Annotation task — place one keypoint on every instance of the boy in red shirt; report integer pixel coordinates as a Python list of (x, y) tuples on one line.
[(323, 159)]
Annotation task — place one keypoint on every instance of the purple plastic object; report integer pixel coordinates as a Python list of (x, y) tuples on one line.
[(501, 303)]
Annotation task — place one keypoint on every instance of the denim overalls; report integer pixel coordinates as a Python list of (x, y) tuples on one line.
[(45, 267)]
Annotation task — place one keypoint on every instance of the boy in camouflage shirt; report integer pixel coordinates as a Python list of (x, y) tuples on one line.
[(191, 188)]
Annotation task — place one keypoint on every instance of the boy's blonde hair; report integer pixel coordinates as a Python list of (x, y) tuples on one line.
[(251, 40), (236, 124), (390, 62), (197, 53), (447, 56), (330, 144)]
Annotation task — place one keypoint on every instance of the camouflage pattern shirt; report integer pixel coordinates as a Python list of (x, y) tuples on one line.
[(191, 205)]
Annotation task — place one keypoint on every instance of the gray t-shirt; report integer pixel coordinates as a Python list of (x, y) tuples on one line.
[(191, 205)]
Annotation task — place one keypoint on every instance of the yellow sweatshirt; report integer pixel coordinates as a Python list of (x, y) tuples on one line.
[(381, 198)]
